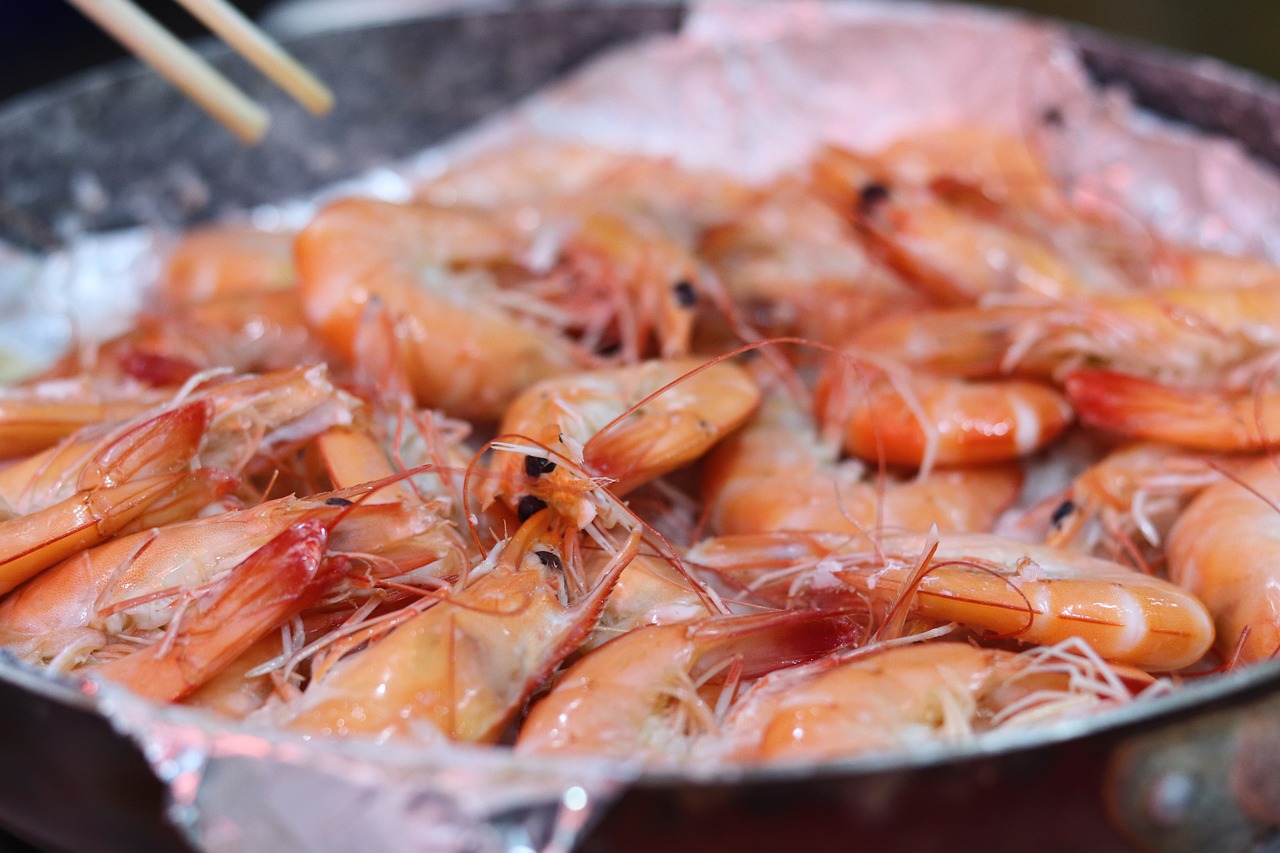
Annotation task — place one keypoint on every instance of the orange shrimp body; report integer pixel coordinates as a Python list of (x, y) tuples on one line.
[(593, 422), (1001, 164), (273, 584), (639, 695), (897, 698), (1205, 419), (34, 542), (226, 260), (1029, 592), (462, 668), (796, 268), (648, 592), (925, 420), (1222, 549), (37, 417), (462, 351), (957, 258), (779, 453), (1167, 334), (1127, 502), (646, 283), (1043, 595), (128, 584), (146, 446), (968, 342)]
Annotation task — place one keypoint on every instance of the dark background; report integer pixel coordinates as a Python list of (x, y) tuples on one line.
[(44, 40)]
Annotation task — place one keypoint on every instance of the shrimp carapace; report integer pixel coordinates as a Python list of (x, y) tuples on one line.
[(618, 428), (651, 693), (463, 349)]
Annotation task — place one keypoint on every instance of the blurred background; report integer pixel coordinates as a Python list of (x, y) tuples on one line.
[(45, 40)]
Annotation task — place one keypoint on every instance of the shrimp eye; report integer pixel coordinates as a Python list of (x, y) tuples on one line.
[(549, 560), (1063, 510), (1053, 117), (529, 504), (337, 502), (536, 466), (872, 196), (685, 294)]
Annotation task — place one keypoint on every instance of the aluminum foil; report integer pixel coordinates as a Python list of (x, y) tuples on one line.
[(751, 88)]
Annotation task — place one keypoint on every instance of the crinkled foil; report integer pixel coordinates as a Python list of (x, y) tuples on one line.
[(749, 88), (236, 788)]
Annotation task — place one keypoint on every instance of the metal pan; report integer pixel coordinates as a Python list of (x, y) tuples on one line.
[(1191, 771)]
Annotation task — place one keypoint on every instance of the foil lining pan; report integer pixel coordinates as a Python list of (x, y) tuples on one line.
[(750, 87)]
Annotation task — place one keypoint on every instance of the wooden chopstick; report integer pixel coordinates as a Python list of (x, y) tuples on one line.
[(267, 56), (183, 67)]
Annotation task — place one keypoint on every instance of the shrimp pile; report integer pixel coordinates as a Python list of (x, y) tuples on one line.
[(581, 452)]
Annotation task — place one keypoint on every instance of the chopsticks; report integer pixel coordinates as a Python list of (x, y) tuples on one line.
[(183, 67)]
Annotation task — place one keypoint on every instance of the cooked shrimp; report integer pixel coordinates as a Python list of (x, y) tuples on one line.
[(920, 420), (1031, 593), (795, 267), (957, 258), (620, 427), (34, 542), (914, 696), (650, 591), (779, 453), (1123, 505), (1044, 595), (106, 455), (244, 333), (1210, 419), (644, 695), (1176, 335), (271, 586), (128, 585), (225, 260), (37, 416), (463, 350), (1222, 549), (454, 670), (1002, 165), (628, 285)]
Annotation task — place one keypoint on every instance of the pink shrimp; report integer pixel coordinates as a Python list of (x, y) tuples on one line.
[(461, 348), (1031, 593), (225, 260), (619, 427), (645, 695), (913, 696), (780, 453), (128, 585), (1222, 549), (453, 670), (920, 420), (270, 586), (1210, 419), (1176, 335), (37, 416), (106, 455), (795, 267)]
